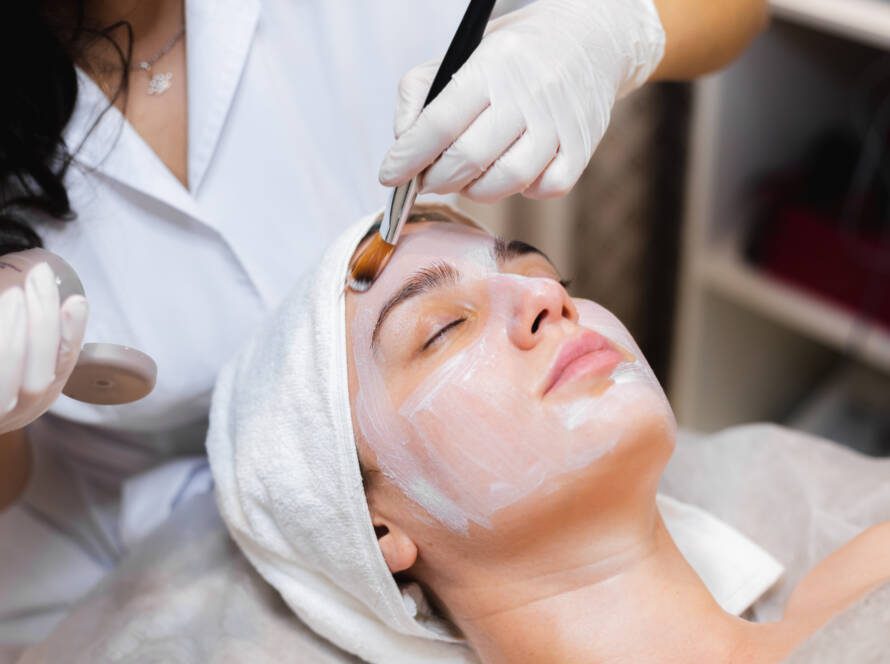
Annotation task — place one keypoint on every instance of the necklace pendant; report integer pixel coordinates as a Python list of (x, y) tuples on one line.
[(160, 83)]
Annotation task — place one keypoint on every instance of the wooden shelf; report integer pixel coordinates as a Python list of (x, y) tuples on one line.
[(867, 21), (724, 272)]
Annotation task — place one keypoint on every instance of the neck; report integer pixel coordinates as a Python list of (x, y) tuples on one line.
[(145, 18), (628, 596), (153, 24)]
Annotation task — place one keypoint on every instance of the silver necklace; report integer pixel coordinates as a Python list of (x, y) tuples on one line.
[(159, 83)]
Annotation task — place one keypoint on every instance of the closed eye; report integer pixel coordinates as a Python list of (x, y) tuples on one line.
[(441, 332)]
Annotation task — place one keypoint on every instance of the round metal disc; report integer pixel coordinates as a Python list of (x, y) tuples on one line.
[(109, 374)]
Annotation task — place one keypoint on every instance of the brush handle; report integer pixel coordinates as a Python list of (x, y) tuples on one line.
[(466, 39), (398, 208)]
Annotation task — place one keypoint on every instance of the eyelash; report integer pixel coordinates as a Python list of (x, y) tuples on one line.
[(441, 332)]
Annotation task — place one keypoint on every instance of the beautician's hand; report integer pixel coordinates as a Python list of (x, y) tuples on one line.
[(527, 110), (39, 344)]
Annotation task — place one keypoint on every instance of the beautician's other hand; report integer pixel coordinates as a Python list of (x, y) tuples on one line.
[(39, 344), (527, 110)]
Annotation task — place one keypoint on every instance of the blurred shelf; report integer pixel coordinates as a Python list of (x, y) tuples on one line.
[(748, 346), (724, 272), (867, 21)]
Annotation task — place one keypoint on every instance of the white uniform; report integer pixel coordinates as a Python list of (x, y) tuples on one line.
[(290, 114)]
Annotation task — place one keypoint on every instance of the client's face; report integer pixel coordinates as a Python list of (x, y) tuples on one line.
[(485, 395)]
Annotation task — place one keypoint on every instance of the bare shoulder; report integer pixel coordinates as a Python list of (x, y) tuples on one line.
[(844, 577)]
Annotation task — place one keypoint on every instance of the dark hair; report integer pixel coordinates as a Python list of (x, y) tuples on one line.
[(39, 48)]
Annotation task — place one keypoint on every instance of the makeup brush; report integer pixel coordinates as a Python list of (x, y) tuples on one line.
[(370, 263)]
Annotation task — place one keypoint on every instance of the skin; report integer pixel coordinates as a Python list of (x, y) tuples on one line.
[(560, 575), (704, 35)]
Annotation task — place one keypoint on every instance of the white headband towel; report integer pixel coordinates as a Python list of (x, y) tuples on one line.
[(288, 484), (289, 487)]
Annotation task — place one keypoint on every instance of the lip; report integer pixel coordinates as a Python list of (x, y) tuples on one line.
[(588, 353)]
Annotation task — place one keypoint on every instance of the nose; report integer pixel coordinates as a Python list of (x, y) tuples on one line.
[(539, 303)]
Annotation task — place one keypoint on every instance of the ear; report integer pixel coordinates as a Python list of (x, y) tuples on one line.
[(398, 549)]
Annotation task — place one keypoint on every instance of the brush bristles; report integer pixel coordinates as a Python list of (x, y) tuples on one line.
[(369, 264)]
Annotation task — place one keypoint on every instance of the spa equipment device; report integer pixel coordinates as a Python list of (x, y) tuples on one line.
[(105, 374), (373, 259)]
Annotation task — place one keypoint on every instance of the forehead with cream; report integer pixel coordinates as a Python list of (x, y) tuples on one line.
[(434, 255), (471, 436), (428, 242)]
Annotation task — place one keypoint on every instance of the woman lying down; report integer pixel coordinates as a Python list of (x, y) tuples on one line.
[(467, 428)]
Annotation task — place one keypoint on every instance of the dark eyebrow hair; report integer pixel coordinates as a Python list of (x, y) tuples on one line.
[(423, 281), (502, 251)]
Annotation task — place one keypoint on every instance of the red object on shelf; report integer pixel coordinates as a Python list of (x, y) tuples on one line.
[(807, 249)]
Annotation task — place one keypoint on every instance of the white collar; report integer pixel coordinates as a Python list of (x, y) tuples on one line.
[(220, 33)]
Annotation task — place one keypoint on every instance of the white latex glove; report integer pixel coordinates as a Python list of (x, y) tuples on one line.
[(530, 105), (39, 345)]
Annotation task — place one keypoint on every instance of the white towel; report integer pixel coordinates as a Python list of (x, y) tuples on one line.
[(735, 570), (288, 484)]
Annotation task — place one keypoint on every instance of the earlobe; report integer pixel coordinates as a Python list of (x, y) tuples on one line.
[(399, 551)]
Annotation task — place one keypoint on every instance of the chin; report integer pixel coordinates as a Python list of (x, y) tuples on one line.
[(610, 459), (631, 434), (598, 421)]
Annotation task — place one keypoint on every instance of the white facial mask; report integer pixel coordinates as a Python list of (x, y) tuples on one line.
[(473, 438)]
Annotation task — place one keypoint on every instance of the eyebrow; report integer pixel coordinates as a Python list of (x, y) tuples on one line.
[(442, 274), (503, 251), (423, 281)]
